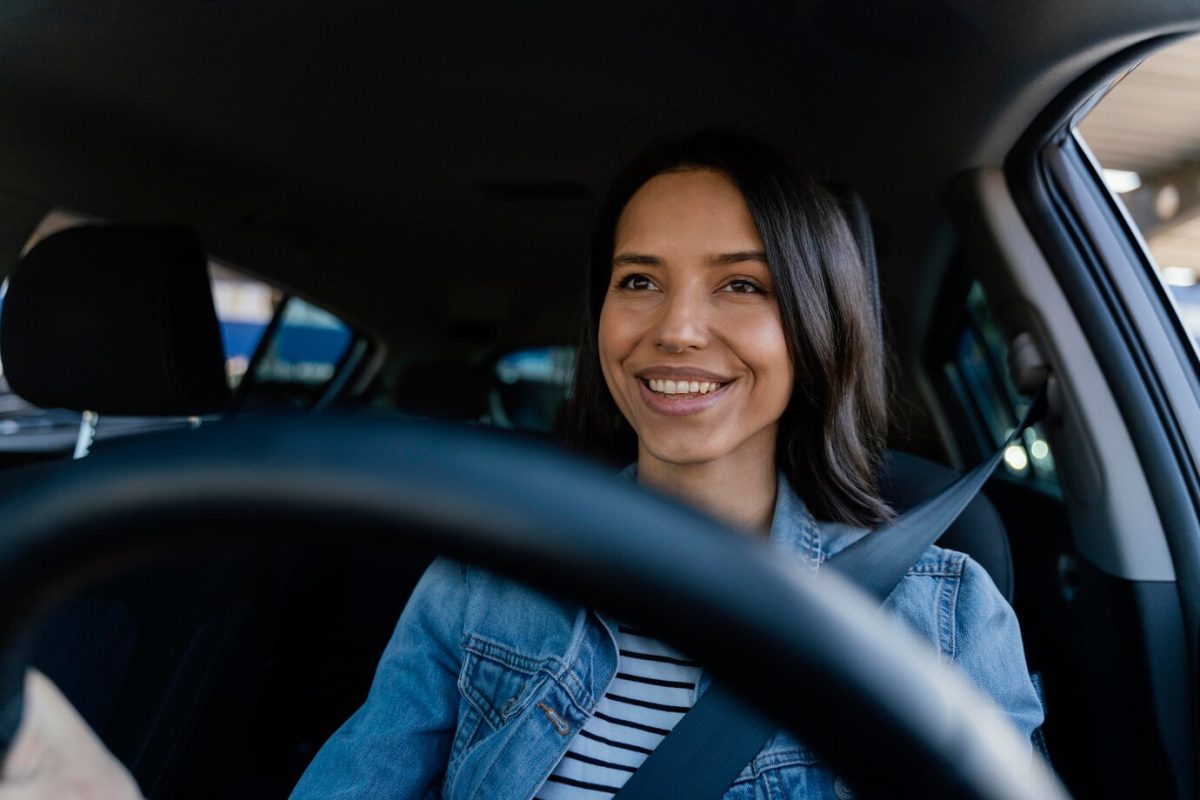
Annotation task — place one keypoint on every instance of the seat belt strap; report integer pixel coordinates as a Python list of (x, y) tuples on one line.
[(877, 562), (714, 741), (705, 752)]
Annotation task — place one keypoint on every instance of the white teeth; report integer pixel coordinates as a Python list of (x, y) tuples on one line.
[(682, 387)]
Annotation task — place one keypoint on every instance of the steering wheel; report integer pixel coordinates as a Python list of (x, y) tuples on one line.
[(887, 717)]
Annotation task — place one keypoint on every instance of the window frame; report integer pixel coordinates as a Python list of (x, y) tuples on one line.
[(356, 357), (1101, 266)]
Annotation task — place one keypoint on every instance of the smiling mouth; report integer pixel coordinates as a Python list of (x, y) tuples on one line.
[(682, 388)]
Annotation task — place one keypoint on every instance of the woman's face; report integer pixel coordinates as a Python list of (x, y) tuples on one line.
[(691, 341)]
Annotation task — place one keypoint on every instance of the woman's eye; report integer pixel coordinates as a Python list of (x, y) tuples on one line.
[(636, 282), (743, 286)]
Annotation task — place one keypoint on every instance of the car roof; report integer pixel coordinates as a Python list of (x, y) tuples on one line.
[(429, 171)]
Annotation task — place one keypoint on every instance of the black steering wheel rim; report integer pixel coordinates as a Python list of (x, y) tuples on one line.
[(546, 519)]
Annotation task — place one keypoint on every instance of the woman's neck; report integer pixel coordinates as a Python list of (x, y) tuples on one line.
[(740, 491)]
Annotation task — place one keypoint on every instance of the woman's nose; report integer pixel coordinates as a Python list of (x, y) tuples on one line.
[(683, 323)]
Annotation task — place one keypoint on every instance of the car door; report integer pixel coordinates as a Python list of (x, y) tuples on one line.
[(1116, 557)]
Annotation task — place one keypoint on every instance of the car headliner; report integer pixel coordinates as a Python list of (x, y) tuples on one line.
[(429, 170)]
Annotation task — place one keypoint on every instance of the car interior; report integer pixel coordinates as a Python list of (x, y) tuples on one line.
[(421, 181)]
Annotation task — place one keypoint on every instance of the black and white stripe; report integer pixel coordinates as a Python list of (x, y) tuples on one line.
[(654, 687)]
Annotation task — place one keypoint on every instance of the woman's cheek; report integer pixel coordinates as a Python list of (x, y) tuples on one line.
[(762, 345)]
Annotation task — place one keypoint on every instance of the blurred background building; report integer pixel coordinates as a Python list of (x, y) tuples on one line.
[(1145, 133)]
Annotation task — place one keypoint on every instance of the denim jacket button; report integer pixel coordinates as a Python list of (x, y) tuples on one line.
[(842, 790)]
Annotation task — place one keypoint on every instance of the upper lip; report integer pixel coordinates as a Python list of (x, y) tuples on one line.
[(680, 374)]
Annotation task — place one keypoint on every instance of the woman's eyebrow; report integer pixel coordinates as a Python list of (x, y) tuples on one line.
[(725, 259), (637, 259)]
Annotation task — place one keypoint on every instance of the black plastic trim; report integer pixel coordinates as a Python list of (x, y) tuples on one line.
[(1171, 474), (1143, 405)]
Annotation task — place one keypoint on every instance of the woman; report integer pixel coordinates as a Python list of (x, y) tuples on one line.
[(730, 347), (730, 350)]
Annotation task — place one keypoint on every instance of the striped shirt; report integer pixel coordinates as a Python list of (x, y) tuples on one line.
[(654, 687)]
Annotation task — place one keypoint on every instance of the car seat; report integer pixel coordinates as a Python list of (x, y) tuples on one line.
[(906, 479)]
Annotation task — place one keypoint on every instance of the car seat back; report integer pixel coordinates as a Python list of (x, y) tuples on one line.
[(115, 319), (906, 479)]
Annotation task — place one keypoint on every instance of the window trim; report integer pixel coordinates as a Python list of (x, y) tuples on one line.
[(1082, 238), (356, 354)]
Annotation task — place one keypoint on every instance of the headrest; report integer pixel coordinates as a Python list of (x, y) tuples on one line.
[(115, 319)]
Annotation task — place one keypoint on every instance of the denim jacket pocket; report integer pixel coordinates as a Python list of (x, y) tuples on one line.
[(496, 681)]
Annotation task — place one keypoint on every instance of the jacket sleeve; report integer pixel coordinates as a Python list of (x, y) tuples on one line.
[(987, 646), (397, 744)]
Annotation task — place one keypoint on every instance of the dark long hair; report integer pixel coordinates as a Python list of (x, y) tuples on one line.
[(831, 435)]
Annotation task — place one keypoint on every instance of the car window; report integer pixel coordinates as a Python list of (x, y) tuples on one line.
[(530, 387), (244, 309), (296, 364), (986, 404), (293, 346), (1141, 134)]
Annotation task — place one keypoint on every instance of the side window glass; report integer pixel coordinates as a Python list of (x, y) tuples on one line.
[(988, 406), (299, 357), (1143, 134), (531, 387), (244, 309)]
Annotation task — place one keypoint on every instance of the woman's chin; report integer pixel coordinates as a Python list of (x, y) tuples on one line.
[(738, 449), (682, 454)]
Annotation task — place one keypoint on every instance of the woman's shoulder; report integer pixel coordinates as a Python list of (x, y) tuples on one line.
[(943, 562), (476, 585), (934, 561), (493, 606), (940, 589)]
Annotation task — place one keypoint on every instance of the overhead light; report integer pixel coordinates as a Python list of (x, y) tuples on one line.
[(1179, 276), (1122, 180), (1166, 202)]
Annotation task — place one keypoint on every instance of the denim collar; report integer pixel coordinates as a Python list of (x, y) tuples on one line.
[(794, 528)]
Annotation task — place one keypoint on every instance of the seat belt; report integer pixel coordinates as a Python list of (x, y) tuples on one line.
[(714, 741), (876, 563)]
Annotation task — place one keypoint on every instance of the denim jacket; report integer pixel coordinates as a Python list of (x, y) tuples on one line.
[(485, 681)]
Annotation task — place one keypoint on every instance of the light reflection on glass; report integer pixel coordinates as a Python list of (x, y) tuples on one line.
[(1015, 458)]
